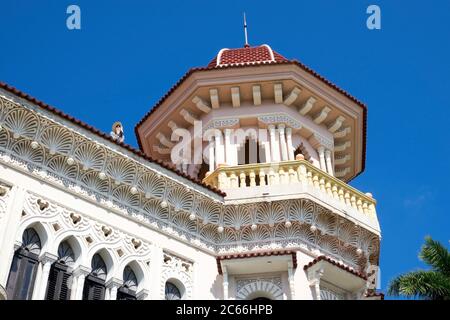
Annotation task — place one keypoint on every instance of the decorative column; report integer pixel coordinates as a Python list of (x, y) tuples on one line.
[(274, 150), (225, 283), (228, 147), (112, 285), (290, 147), (284, 150), (211, 155), (291, 279), (314, 277), (329, 161), (47, 260), (220, 159), (80, 274), (321, 151)]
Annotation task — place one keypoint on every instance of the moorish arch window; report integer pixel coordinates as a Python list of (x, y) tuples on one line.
[(94, 284), (172, 292), (130, 283), (60, 277), (22, 274), (251, 152)]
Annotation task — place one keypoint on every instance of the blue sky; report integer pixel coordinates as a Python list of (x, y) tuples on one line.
[(129, 53)]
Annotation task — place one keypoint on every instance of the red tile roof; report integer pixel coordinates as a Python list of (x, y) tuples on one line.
[(278, 60), (337, 264), (103, 135), (246, 56), (257, 254)]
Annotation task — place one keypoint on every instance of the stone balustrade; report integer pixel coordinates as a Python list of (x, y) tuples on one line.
[(297, 172)]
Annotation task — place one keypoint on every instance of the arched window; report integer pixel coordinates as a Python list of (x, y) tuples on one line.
[(128, 290), (59, 276), (94, 284), (172, 292), (24, 267), (251, 152)]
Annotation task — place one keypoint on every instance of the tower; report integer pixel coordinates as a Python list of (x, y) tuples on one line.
[(283, 143)]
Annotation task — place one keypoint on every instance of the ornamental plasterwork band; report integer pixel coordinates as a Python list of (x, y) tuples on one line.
[(221, 123), (62, 157), (280, 118), (323, 141)]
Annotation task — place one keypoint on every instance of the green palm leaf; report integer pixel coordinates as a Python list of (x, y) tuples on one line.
[(431, 285), (436, 255)]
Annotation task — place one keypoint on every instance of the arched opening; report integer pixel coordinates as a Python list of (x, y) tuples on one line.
[(173, 291), (261, 299), (130, 284), (251, 151), (60, 276), (24, 266), (260, 296), (94, 284)]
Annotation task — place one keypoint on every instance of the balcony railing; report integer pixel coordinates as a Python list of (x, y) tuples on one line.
[(296, 172)]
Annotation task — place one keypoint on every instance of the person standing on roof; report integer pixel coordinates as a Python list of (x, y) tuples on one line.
[(117, 132)]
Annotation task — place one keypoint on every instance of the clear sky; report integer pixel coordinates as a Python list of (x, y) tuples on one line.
[(129, 53)]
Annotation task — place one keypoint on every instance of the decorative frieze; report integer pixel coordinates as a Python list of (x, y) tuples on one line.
[(280, 118)]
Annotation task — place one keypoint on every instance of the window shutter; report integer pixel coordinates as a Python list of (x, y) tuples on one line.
[(51, 287), (94, 289), (22, 275), (58, 282)]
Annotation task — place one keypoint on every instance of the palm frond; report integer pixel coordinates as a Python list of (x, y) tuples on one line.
[(421, 284), (436, 255)]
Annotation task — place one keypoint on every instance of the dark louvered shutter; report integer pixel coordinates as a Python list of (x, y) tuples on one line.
[(58, 283), (125, 294), (94, 288), (51, 287), (64, 290), (22, 275)]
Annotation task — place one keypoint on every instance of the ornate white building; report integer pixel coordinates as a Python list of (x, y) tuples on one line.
[(256, 205)]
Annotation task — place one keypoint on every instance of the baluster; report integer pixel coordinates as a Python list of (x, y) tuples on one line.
[(316, 181), (242, 177), (276, 179), (302, 174), (341, 195), (347, 199), (233, 180), (359, 205), (271, 178), (309, 177), (328, 188), (353, 202), (262, 177), (252, 178), (322, 184), (334, 189), (293, 178), (282, 176), (365, 208)]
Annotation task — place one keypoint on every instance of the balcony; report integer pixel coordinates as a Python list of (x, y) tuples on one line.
[(290, 180)]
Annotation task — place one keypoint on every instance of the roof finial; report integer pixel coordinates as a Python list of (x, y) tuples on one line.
[(245, 33)]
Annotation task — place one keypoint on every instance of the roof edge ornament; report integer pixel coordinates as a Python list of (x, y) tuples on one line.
[(219, 56), (272, 56)]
